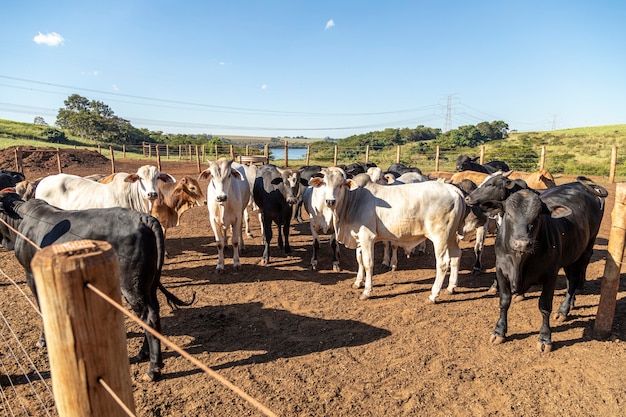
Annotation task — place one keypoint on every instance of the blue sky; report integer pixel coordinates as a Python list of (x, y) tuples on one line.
[(318, 68)]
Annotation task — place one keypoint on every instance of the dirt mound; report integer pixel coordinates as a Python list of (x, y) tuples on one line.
[(45, 159)]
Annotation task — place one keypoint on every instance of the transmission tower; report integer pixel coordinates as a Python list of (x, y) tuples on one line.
[(449, 112)]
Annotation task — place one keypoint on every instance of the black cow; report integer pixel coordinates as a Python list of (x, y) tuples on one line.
[(356, 168), (275, 192), (399, 168), (539, 235), (136, 237), (10, 178), (465, 163)]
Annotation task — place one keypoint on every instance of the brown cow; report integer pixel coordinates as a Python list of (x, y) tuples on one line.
[(175, 199)]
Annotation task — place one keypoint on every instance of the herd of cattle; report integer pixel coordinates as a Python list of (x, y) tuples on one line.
[(541, 227)]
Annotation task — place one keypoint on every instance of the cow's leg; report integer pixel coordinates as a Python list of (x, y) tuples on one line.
[(335, 249), (219, 231), (545, 307), (367, 257), (499, 333), (386, 253), (478, 250), (286, 227), (156, 358), (360, 275), (442, 260), (246, 219), (237, 241), (267, 238), (394, 256), (454, 256), (316, 247), (575, 274)]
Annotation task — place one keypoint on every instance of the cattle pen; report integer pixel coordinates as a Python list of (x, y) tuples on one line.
[(302, 343)]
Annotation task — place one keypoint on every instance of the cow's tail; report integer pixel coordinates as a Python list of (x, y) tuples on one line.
[(592, 187), (173, 301)]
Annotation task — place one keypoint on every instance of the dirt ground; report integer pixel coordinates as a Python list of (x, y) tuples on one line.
[(302, 344)]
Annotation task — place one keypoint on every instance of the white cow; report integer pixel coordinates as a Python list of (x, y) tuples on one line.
[(404, 214), (228, 194), (320, 219), (132, 191), (250, 171)]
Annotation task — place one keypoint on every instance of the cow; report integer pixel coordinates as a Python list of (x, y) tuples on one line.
[(137, 238), (276, 191), (10, 178), (26, 189), (399, 168), (539, 180), (306, 172), (539, 235), (466, 163), (320, 219), (405, 214), (228, 194), (250, 171), (71, 192), (174, 199)]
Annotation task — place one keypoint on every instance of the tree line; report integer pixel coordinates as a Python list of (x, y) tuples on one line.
[(95, 120)]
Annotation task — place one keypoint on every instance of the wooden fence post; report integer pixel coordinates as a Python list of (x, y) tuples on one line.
[(266, 152), (216, 151), (124, 151), (85, 335), (398, 154), (367, 153), (247, 150), (197, 160), (542, 161), (59, 161), (308, 155), (286, 151), (437, 159), (149, 151), (180, 151), (482, 154), (231, 152), (19, 165), (158, 157), (613, 265), (613, 164), (112, 159), (167, 152)]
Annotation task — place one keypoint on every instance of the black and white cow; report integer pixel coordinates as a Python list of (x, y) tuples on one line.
[(276, 191), (538, 235), (136, 237)]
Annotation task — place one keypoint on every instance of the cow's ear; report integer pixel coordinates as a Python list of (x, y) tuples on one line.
[(351, 184), (509, 184), (236, 174), (560, 211), (277, 181), (316, 181), (166, 177), (492, 207), (132, 178), (475, 159), (204, 175)]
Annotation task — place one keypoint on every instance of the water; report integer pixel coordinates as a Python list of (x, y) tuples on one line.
[(293, 153)]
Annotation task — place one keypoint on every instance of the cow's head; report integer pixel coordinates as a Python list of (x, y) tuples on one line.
[(495, 187), (10, 219), (147, 177), (464, 162), (292, 182), (220, 173), (334, 183), (193, 193)]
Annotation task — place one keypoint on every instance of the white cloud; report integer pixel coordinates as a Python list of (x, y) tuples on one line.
[(221, 62), (115, 87), (50, 39), (264, 87), (329, 24)]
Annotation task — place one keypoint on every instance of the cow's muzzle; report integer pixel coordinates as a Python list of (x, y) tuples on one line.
[(292, 200), (522, 245), (152, 196), (221, 198), (331, 202)]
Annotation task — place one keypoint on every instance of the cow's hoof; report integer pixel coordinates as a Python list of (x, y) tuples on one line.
[(152, 375), (432, 299), (218, 271), (313, 267), (364, 297), (249, 235), (237, 268), (492, 291), (336, 268), (559, 317), (496, 340), (518, 298), (543, 347), (264, 262), (476, 272), (451, 290)]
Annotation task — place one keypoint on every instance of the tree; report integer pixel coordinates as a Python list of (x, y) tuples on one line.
[(40, 121)]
